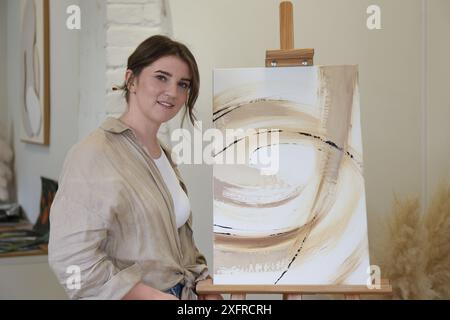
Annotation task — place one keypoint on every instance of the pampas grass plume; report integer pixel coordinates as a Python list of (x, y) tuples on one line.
[(405, 253), (437, 223)]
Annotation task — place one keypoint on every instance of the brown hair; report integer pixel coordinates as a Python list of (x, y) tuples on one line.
[(157, 47)]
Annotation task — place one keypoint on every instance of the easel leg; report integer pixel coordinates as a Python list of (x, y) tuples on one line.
[(237, 296), (352, 297), (292, 296)]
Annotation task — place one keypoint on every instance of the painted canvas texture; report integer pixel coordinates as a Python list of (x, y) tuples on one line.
[(304, 220)]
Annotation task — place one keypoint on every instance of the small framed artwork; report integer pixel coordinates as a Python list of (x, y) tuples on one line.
[(35, 56)]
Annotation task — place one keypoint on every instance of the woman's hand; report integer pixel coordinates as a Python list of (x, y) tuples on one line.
[(167, 296), (144, 292)]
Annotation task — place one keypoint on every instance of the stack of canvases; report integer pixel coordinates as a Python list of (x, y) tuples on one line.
[(416, 255), (6, 155)]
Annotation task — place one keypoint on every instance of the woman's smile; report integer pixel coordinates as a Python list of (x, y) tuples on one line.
[(165, 104)]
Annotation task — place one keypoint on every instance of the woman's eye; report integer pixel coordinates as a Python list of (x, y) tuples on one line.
[(161, 77), (184, 85)]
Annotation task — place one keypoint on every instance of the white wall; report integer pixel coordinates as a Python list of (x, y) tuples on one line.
[(438, 112), (33, 161), (92, 66), (3, 102), (28, 278), (237, 33)]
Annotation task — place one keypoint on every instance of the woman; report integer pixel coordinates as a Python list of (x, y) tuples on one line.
[(121, 218)]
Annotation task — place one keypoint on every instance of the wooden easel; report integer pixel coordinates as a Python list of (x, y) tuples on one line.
[(288, 57)]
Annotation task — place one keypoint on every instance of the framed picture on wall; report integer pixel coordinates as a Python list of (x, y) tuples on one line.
[(35, 56)]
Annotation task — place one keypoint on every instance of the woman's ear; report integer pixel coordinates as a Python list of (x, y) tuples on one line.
[(129, 80)]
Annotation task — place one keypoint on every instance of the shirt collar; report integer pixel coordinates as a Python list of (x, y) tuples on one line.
[(114, 125)]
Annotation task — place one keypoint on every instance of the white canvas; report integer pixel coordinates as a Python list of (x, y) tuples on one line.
[(303, 220)]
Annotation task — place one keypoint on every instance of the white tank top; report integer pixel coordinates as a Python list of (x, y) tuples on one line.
[(180, 200)]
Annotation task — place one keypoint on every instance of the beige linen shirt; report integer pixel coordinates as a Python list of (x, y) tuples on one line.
[(113, 218)]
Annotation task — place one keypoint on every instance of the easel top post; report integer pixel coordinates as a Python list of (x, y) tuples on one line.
[(286, 25), (288, 56)]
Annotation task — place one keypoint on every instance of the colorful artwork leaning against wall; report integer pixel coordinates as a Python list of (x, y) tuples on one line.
[(300, 217)]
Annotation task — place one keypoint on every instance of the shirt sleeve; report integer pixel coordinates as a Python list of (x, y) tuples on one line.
[(81, 217), (76, 255)]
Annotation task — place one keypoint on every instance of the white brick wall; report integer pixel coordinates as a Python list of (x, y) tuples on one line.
[(115, 56), (128, 23), (104, 53)]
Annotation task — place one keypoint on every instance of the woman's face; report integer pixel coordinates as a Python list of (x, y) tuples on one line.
[(161, 89)]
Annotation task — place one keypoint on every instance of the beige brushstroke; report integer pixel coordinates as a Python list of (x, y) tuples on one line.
[(250, 178), (258, 182), (236, 96), (332, 225), (324, 235), (282, 115), (228, 263), (336, 96), (350, 264), (230, 242), (221, 186)]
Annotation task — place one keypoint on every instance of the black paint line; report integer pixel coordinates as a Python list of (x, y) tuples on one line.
[(246, 103), (298, 250), (236, 141), (234, 107), (223, 233), (225, 227), (330, 143)]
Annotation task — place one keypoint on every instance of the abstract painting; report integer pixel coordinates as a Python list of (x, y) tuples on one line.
[(35, 111), (303, 221)]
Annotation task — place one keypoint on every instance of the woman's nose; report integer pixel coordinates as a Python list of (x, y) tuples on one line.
[(171, 89)]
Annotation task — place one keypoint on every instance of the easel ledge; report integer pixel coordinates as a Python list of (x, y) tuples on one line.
[(293, 292)]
